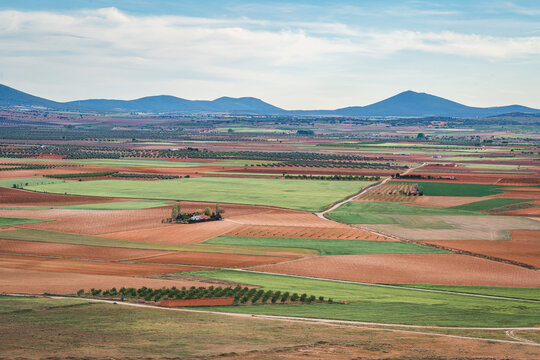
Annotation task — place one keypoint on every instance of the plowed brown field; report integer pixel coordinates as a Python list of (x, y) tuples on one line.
[(74, 251), (304, 232), (88, 266), (448, 269), (175, 233), (447, 201), (277, 217), (16, 197), (215, 259), (38, 282), (524, 247)]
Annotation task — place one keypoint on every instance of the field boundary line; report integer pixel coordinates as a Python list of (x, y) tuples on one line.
[(388, 286)]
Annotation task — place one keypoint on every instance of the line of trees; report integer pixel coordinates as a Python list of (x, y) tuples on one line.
[(241, 295), (80, 175), (333, 177)]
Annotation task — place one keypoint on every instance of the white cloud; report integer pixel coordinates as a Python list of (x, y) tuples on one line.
[(107, 46)]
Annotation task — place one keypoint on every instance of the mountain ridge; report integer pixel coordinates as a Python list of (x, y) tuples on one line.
[(407, 104)]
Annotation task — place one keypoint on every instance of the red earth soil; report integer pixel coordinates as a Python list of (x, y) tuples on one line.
[(534, 212), (175, 233), (30, 281), (514, 179), (224, 301), (16, 197), (524, 247), (447, 269), (279, 217), (215, 259), (304, 232), (89, 266), (74, 251)]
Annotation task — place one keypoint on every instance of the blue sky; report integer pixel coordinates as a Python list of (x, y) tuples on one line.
[(293, 54)]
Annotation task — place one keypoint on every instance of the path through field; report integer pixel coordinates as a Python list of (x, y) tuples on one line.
[(342, 323)]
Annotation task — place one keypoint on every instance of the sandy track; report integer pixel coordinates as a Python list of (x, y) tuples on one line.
[(524, 247), (304, 232), (449, 269), (30, 281), (88, 266)]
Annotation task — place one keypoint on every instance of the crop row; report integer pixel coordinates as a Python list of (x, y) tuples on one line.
[(145, 176)]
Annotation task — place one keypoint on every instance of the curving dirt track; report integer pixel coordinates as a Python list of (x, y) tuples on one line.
[(448, 269), (305, 232), (524, 247), (31, 281), (88, 266)]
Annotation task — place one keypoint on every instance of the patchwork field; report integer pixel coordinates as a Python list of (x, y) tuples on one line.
[(448, 242)]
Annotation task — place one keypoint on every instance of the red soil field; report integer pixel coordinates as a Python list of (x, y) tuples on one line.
[(28, 281), (175, 233), (523, 212), (278, 217), (197, 302), (215, 259), (447, 269), (471, 178), (16, 197), (74, 251), (524, 247), (446, 201), (305, 232), (88, 266), (92, 222)]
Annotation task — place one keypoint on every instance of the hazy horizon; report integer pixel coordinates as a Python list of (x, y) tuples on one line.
[(294, 55)]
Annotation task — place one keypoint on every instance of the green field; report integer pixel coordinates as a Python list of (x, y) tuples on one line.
[(18, 221), (509, 292), (382, 304), (29, 182), (42, 328), (330, 247), (455, 189), (311, 195), (363, 212), (489, 204)]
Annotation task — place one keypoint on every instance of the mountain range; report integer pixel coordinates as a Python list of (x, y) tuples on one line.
[(408, 104)]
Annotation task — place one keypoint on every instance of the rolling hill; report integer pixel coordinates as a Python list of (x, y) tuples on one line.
[(408, 103)]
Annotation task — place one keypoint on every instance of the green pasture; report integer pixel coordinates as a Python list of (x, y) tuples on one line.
[(455, 189), (19, 221), (381, 304), (509, 292), (329, 246), (29, 182), (363, 212), (488, 204), (311, 195)]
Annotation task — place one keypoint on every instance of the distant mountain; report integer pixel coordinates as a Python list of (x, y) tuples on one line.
[(10, 97), (408, 103)]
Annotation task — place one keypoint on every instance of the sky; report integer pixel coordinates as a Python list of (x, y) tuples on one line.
[(292, 54)]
